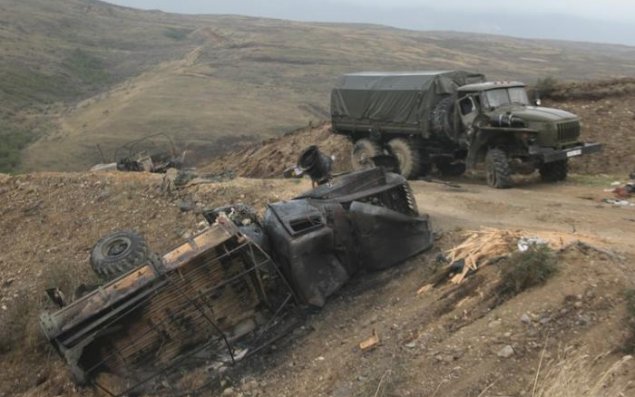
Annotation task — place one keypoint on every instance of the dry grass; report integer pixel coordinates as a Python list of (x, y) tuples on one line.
[(213, 80), (629, 345), (20, 328), (575, 374)]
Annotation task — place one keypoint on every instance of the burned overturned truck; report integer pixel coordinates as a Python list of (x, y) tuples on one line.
[(233, 288)]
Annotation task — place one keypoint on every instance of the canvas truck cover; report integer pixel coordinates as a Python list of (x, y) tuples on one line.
[(400, 101)]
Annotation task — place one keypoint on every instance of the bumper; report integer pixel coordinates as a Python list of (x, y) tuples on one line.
[(548, 155)]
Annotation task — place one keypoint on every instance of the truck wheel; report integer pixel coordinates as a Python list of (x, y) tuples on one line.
[(441, 117), (554, 172), (499, 173), (363, 152), (409, 159), (118, 253)]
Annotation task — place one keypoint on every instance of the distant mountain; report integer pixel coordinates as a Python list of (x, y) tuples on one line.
[(532, 24), (75, 74)]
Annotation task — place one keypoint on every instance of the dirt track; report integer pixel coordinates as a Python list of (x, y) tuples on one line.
[(450, 336)]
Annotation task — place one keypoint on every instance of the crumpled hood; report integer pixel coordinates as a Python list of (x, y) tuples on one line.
[(534, 113)]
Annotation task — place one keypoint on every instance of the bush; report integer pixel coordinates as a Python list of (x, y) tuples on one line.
[(12, 141), (527, 269), (176, 34), (546, 87)]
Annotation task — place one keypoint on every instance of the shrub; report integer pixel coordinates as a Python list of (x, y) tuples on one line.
[(176, 34), (546, 87), (527, 269)]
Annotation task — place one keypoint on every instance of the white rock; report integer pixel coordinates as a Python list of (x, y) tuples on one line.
[(506, 352)]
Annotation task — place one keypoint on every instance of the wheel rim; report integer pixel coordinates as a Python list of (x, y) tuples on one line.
[(117, 247)]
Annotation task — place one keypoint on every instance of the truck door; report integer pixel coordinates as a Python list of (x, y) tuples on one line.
[(468, 110)]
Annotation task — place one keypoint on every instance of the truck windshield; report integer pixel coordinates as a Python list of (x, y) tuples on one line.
[(505, 96)]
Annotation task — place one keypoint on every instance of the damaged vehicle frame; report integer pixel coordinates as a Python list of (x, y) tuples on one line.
[(234, 288)]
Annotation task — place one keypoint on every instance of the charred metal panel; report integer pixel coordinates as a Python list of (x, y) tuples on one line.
[(387, 237), (313, 247)]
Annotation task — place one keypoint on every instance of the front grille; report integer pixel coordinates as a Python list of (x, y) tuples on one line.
[(568, 131)]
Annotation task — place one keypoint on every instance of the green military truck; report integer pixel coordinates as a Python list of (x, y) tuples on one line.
[(454, 120)]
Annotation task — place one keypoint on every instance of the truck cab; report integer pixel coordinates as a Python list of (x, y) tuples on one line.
[(498, 125)]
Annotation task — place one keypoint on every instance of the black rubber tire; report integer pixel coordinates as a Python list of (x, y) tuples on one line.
[(498, 170), (118, 253), (555, 172), (441, 118), (408, 157), (449, 168), (362, 153)]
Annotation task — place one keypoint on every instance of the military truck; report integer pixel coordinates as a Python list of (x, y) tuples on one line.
[(454, 120)]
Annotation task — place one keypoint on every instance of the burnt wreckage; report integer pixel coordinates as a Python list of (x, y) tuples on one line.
[(231, 289)]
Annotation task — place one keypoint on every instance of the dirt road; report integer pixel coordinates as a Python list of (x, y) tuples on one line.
[(568, 208)]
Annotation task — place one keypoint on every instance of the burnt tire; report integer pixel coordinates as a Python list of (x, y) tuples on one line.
[(363, 152), (498, 170), (408, 157), (118, 253), (554, 172), (441, 117)]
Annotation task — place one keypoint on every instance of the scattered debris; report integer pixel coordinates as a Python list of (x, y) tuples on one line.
[(619, 203), (153, 153), (370, 343), (524, 243), (482, 247), (316, 165)]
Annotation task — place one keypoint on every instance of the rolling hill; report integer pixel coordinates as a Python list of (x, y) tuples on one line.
[(78, 73)]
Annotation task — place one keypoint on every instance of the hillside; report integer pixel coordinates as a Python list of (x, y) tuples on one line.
[(74, 74), (573, 327)]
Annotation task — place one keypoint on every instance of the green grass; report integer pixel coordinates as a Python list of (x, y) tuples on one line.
[(12, 141), (176, 33)]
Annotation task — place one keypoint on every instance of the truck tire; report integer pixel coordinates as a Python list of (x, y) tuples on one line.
[(363, 152), (441, 118), (499, 173), (118, 253), (554, 172), (409, 158)]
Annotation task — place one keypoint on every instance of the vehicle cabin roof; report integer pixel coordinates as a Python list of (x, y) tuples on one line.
[(490, 85)]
